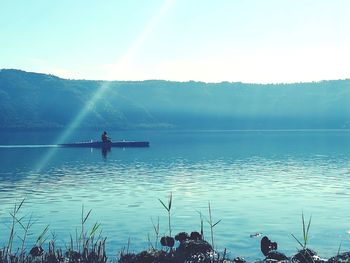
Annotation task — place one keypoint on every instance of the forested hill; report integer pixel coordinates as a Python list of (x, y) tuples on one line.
[(40, 101)]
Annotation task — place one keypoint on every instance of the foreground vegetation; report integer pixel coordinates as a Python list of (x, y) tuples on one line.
[(87, 245)]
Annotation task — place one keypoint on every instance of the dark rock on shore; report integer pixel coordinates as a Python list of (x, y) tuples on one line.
[(36, 251), (182, 236), (150, 256), (193, 250), (195, 236), (239, 260), (191, 247), (167, 241), (275, 255), (274, 261), (73, 256), (267, 245), (307, 256), (341, 258)]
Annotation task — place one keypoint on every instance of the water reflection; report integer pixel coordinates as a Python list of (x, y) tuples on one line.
[(105, 151)]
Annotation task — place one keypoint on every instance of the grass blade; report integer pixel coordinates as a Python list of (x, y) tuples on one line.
[(339, 249), (40, 239), (217, 223), (297, 240), (87, 216), (20, 205), (94, 229), (163, 204), (170, 200), (308, 227), (304, 231)]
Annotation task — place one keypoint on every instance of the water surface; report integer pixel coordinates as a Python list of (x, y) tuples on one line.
[(256, 181)]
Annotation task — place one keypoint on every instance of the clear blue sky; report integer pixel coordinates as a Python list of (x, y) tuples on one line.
[(214, 40)]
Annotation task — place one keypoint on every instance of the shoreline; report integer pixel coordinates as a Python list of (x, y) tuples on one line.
[(183, 248), (88, 244)]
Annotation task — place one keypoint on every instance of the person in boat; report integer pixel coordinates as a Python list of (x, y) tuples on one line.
[(105, 138)]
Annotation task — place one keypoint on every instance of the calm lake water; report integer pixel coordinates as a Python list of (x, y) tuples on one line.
[(256, 181)]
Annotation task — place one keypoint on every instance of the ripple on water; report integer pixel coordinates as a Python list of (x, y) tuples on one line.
[(250, 194)]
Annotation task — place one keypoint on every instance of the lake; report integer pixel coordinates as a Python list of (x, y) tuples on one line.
[(256, 182)]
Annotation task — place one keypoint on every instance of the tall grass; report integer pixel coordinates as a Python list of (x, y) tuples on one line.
[(201, 224), (212, 225), (306, 229), (90, 247), (156, 231), (23, 239), (168, 209), (15, 220), (41, 238), (338, 253)]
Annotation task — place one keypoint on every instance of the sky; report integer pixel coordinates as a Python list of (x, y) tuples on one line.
[(255, 41)]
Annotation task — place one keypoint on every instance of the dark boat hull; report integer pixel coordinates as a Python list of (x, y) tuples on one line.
[(120, 144)]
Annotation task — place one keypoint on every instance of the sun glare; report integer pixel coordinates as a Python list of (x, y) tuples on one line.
[(123, 63)]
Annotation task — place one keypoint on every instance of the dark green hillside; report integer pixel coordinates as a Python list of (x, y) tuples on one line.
[(39, 101)]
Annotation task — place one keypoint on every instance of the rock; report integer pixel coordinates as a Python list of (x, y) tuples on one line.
[(341, 258), (195, 236), (150, 256), (307, 256), (182, 236), (239, 260), (93, 257), (146, 257), (197, 258), (51, 259), (127, 258), (266, 245), (193, 251), (36, 251), (194, 247), (167, 241), (73, 256), (275, 255)]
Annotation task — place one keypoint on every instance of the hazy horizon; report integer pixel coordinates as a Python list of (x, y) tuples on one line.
[(141, 80)]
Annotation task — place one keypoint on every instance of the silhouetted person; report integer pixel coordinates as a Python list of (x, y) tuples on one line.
[(105, 138)]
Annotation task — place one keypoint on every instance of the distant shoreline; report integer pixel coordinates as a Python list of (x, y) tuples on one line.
[(170, 130), (32, 101)]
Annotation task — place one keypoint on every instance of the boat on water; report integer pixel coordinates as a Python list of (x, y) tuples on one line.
[(100, 144)]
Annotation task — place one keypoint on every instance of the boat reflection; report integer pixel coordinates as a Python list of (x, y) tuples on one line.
[(105, 151)]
